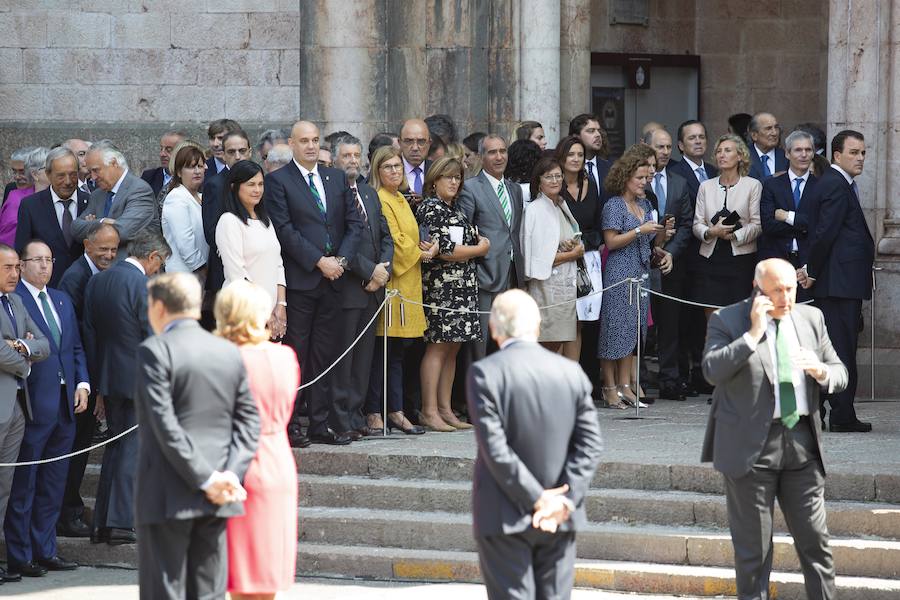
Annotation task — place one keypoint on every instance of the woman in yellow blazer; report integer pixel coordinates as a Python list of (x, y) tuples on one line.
[(406, 321)]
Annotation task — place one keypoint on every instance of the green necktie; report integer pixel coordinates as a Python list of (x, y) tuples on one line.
[(504, 202), (48, 316), (321, 205), (789, 416)]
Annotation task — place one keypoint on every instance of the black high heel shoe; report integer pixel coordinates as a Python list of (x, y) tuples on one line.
[(411, 430)]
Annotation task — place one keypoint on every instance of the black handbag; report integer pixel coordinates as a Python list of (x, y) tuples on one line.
[(583, 285)]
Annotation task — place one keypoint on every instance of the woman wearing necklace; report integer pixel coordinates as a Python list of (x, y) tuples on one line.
[(728, 252)]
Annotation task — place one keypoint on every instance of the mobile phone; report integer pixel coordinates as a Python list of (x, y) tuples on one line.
[(668, 216), (576, 235)]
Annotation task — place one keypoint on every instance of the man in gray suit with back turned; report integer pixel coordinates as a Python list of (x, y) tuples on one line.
[(494, 205), (538, 447), (199, 431), (121, 198), (769, 360), (23, 344)]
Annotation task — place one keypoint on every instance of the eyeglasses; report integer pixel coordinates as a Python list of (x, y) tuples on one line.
[(414, 142), (41, 260), (236, 151), (455, 178), (392, 167), (555, 177)]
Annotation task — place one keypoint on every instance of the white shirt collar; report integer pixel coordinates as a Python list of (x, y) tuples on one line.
[(94, 269), (115, 189), (35, 291), (804, 176), (56, 198), (770, 154), (694, 166), (408, 167), (136, 263), (660, 175), (492, 180), (220, 165), (843, 172), (305, 172)]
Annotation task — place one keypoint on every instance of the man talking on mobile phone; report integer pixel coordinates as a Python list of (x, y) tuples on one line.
[(769, 360)]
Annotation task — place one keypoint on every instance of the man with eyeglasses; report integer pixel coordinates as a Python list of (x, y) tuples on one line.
[(23, 345), (159, 177), (235, 147), (766, 157), (58, 389), (415, 142), (115, 324)]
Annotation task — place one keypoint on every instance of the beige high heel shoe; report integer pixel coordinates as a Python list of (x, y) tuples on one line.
[(453, 421)]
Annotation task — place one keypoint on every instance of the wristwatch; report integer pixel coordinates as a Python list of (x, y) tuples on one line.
[(637, 231), (341, 260)]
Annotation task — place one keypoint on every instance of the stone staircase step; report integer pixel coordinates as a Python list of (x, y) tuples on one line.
[(845, 518), (608, 541), (646, 578)]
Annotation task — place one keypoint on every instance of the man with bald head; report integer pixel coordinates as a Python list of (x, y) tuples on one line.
[(319, 227), (49, 214), (415, 143), (766, 157), (769, 359)]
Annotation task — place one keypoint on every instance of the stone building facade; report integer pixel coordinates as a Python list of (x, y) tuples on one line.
[(129, 69)]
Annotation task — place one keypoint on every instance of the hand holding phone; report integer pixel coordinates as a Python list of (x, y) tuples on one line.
[(759, 311)]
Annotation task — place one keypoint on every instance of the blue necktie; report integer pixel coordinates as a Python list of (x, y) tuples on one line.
[(765, 166), (660, 191), (5, 299), (855, 189), (107, 206), (417, 181), (797, 183), (701, 174)]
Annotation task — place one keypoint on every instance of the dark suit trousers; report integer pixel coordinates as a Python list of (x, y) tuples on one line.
[(399, 377), (34, 505), (180, 559), (351, 381), (788, 468), (667, 318), (313, 331), (11, 434), (115, 490), (842, 317), (85, 422), (532, 565)]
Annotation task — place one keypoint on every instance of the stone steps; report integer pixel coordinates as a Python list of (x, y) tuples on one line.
[(598, 541)]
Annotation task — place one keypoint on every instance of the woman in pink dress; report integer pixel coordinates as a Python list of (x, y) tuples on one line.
[(262, 544)]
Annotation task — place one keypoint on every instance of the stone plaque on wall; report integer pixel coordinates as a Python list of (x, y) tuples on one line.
[(629, 12), (609, 104)]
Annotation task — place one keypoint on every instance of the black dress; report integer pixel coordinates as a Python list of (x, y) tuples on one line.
[(587, 213)]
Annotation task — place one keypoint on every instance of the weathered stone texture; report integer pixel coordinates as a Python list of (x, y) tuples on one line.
[(141, 30)]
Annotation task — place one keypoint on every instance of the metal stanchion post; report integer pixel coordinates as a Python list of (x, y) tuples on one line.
[(384, 382), (872, 341)]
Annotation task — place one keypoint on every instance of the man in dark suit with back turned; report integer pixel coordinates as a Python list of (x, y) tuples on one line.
[(535, 458), (839, 269), (49, 214), (199, 431), (23, 344), (115, 323), (319, 227), (59, 389), (363, 293), (766, 158), (100, 248), (784, 206), (768, 359)]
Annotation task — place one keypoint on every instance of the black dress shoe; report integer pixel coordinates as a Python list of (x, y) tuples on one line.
[(28, 569), (72, 528), (117, 536), (329, 437), (670, 392), (855, 426), (9, 577), (687, 390), (100, 536), (299, 441), (57, 563), (353, 434)]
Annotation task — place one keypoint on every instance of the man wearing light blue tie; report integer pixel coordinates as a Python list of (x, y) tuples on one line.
[(766, 158)]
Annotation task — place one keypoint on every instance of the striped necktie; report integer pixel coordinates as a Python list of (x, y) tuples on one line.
[(504, 202), (321, 205), (789, 416)]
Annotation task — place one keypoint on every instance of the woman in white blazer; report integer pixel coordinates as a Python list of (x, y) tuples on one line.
[(182, 215)]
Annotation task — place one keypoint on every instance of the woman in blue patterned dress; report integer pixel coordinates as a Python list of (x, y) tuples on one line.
[(629, 233)]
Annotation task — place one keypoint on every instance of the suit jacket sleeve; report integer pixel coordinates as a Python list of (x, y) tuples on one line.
[(39, 347), (140, 210), (245, 430), (700, 226), (153, 390), (406, 249), (12, 362), (832, 212), (507, 469), (293, 243), (750, 231), (81, 368), (353, 223), (684, 220), (723, 355), (838, 377), (584, 446), (767, 206), (211, 209), (81, 225), (466, 203), (89, 340)]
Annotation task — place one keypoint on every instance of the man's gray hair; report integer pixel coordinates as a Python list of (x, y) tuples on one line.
[(796, 136), (179, 292), (279, 155), (21, 153), (147, 241), (515, 314), (109, 152), (490, 136), (57, 153), (270, 135), (96, 227), (36, 160), (754, 121), (346, 140)]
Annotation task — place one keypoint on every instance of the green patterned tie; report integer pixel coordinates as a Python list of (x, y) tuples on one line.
[(51, 320), (789, 416), (321, 205), (504, 202)]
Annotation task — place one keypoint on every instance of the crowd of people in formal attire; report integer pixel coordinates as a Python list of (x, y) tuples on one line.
[(295, 254)]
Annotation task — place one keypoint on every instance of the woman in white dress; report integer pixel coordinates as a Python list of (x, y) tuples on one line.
[(182, 215), (247, 242)]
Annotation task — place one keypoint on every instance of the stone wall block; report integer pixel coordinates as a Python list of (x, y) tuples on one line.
[(406, 87), (406, 23), (202, 31), (350, 24), (798, 72), (289, 67), (722, 71), (717, 37), (277, 104), (450, 24), (11, 65), (503, 17), (78, 30), (448, 83), (356, 89), (737, 9), (98, 103), (141, 30), (274, 31), (671, 10), (195, 103), (21, 102), (23, 30), (245, 6), (503, 98), (575, 24), (242, 67), (479, 100), (311, 103)]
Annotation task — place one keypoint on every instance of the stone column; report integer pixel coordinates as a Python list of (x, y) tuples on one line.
[(575, 61), (539, 62)]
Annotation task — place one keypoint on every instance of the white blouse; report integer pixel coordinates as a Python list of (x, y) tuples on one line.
[(182, 226), (250, 252)]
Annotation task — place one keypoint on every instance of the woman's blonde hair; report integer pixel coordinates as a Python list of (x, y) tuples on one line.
[(743, 152), (242, 310), (383, 154)]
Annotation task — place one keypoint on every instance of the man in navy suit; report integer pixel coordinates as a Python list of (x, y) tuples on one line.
[(319, 227), (100, 248), (692, 144), (783, 211), (159, 177), (115, 324), (59, 389), (363, 293), (49, 214), (216, 131), (766, 158), (839, 269)]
